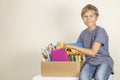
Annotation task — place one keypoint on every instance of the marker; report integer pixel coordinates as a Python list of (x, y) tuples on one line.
[(76, 58)]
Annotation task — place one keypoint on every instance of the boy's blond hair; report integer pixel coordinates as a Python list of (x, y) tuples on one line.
[(89, 7)]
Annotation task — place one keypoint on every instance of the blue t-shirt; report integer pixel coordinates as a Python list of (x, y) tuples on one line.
[(97, 35)]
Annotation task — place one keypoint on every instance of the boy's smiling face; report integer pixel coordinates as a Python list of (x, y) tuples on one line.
[(90, 18)]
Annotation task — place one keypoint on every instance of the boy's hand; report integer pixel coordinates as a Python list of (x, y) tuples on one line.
[(67, 46)]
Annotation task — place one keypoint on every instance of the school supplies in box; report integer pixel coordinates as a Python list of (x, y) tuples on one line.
[(73, 55), (57, 62), (47, 52), (59, 55), (56, 53)]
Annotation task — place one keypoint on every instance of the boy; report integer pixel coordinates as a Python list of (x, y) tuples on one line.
[(99, 63)]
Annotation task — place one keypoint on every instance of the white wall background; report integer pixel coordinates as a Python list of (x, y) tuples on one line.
[(26, 26)]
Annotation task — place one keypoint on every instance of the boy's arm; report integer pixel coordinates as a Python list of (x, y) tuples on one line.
[(91, 52)]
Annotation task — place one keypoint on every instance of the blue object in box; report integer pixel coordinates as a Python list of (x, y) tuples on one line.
[(78, 44)]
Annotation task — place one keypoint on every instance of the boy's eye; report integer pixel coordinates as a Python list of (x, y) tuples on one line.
[(85, 16)]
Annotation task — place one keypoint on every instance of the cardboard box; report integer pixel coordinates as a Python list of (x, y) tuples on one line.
[(61, 69)]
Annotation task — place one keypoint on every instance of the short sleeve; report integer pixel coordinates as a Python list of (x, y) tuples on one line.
[(101, 36), (80, 38)]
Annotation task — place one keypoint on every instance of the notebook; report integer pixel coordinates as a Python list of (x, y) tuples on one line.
[(59, 55)]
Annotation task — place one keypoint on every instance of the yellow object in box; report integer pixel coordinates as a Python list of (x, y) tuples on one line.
[(61, 69), (60, 45)]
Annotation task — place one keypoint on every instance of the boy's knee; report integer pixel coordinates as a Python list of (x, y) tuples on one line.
[(98, 77), (84, 77)]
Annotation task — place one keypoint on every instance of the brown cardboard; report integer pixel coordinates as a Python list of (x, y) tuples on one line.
[(61, 69)]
